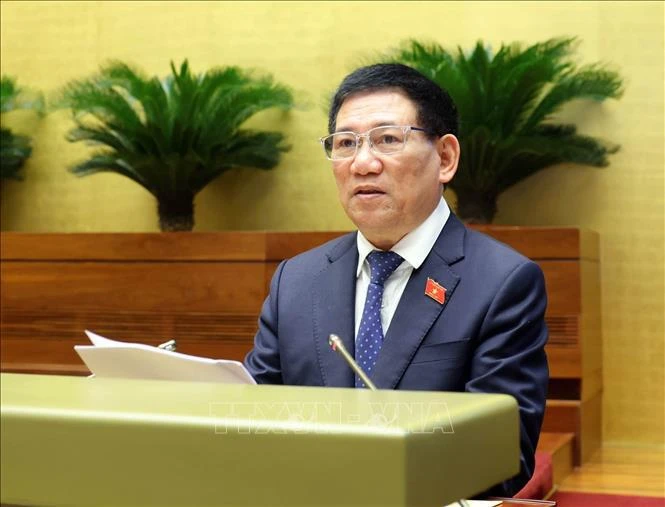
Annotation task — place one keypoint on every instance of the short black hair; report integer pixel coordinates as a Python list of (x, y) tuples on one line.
[(436, 111)]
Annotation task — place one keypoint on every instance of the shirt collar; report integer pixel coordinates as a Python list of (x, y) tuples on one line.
[(416, 245)]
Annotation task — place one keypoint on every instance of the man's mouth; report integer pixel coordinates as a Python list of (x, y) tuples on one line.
[(368, 191)]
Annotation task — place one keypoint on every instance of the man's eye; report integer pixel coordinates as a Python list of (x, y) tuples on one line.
[(387, 139), (345, 143)]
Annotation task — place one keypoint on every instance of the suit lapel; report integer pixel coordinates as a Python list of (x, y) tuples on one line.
[(417, 312), (333, 296)]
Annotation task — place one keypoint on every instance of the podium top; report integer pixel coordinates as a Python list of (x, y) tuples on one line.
[(72, 440), (296, 408)]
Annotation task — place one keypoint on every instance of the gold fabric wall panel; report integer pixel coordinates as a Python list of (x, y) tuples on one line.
[(311, 46)]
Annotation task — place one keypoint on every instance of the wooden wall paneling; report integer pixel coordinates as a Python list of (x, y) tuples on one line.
[(537, 242), (206, 290), (575, 346), (592, 345), (563, 280), (564, 416), (77, 370), (284, 245), (564, 362), (591, 427), (583, 418), (121, 286), (165, 246), (55, 286)]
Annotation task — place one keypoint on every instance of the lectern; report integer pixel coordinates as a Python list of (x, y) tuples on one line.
[(93, 441)]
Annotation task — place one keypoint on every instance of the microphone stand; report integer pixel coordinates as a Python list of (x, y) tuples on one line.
[(337, 345)]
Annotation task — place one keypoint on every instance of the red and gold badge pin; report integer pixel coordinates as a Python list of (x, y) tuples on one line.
[(436, 291)]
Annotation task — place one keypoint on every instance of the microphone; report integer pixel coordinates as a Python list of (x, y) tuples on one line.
[(337, 346)]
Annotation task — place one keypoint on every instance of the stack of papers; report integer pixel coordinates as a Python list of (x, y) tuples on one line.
[(110, 358)]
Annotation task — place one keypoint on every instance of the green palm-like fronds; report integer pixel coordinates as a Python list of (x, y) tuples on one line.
[(14, 148), (14, 97), (507, 104), (173, 136), (14, 151)]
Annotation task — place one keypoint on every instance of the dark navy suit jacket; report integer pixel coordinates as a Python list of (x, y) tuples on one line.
[(488, 336)]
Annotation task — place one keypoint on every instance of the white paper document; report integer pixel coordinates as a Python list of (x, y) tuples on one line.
[(110, 358)]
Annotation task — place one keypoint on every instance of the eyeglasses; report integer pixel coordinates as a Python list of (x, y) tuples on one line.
[(384, 140)]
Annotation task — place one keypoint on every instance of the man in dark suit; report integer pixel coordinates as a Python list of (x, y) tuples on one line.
[(423, 302)]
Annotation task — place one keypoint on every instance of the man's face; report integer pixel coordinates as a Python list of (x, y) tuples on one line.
[(387, 196)]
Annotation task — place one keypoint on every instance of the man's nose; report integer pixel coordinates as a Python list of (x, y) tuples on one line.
[(365, 160)]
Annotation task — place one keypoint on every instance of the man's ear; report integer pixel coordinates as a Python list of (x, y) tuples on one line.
[(449, 152)]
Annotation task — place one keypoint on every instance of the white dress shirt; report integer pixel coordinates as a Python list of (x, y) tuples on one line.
[(413, 248)]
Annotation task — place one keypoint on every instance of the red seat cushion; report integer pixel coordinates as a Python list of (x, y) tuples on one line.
[(541, 482)]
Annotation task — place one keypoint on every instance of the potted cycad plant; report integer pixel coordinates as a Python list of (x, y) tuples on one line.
[(173, 136), (14, 148), (506, 103)]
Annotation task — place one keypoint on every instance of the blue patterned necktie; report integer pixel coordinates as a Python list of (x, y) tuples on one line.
[(370, 333)]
